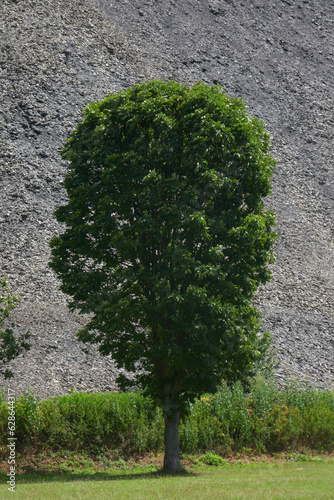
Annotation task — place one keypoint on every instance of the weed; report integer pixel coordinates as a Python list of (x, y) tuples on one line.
[(212, 459), (127, 424)]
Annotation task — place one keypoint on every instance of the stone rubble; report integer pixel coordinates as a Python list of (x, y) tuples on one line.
[(58, 56)]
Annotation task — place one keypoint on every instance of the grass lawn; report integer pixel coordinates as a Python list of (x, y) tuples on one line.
[(263, 481)]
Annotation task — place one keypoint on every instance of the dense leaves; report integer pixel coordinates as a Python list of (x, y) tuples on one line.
[(10, 346), (261, 419), (166, 237)]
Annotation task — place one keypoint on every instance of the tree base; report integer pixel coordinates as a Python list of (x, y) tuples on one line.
[(172, 462)]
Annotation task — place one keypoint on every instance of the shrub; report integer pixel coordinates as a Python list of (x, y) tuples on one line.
[(10, 347), (231, 420), (212, 459), (318, 428)]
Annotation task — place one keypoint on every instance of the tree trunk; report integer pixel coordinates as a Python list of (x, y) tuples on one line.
[(172, 450)]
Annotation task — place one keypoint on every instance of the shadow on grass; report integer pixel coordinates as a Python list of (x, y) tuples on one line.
[(38, 476)]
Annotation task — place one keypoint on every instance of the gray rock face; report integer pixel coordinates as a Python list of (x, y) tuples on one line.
[(57, 56)]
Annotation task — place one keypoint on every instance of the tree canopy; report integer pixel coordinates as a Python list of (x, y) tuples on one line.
[(166, 237)]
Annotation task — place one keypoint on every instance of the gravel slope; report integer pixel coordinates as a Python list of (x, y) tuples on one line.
[(57, 56)]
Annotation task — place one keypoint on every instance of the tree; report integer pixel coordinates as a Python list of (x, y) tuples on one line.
[(166, 238), (10, 347)]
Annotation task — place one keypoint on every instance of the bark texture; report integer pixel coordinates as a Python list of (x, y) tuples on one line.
[(172, 449)]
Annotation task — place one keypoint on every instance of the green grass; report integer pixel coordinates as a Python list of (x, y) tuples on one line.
[(290, 480)]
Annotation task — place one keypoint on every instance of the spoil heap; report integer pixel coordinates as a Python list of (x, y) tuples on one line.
[(57, 56)]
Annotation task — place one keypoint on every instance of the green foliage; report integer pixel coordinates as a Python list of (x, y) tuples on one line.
[(318, 427), (3, 418), (27, 417), (127, 422), (262, 420), (211, 459), (10, 347), (166, 237), (231, 420)]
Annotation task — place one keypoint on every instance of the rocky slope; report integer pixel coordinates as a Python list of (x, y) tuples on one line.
[(57, 56)]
